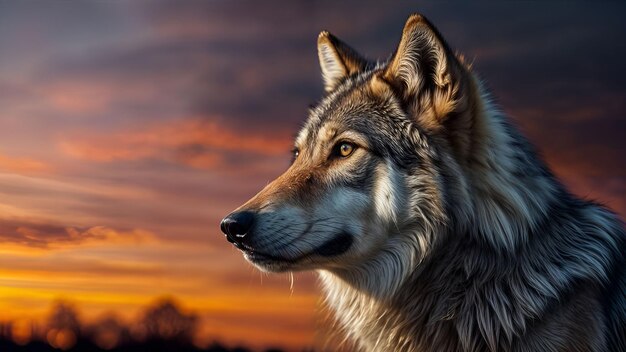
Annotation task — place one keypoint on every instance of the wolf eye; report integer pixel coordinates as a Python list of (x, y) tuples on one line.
[(344, 149), (294, 154)]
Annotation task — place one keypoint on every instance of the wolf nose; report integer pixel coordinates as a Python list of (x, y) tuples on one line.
[(237, 225)]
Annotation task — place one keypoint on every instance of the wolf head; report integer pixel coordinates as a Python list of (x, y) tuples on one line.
[(375, 165)]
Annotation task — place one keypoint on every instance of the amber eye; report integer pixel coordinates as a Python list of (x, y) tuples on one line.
[(345, 149)]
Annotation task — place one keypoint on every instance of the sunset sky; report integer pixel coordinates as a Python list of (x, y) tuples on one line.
[(129, 129)]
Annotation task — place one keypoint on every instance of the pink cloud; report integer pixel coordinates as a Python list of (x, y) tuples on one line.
[(193, 142), (23, 165)]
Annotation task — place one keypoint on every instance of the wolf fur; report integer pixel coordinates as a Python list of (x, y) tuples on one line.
[(441, 230)]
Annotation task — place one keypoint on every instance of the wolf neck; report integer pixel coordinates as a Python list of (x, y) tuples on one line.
[(508, 188), (420, 280)]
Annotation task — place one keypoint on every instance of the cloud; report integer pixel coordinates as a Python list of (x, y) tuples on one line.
[(88, 97), (193, 142), (23, 165), (47, 235), (272, 19)]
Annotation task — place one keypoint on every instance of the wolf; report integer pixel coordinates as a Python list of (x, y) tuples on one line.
[(433, 224)]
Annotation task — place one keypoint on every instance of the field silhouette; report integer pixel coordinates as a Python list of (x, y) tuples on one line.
[(161, 327)]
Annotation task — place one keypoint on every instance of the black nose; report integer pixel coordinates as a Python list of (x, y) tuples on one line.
[(236, 226)]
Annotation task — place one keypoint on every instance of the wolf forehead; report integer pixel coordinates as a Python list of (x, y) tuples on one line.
[(362, 104)]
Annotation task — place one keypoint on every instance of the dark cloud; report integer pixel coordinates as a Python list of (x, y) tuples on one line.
[(49, 235)]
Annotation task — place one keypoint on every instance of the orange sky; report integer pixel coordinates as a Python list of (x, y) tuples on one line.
[(129, 130)]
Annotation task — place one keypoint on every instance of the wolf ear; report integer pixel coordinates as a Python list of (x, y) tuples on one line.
[(337, 60), (425, 72)]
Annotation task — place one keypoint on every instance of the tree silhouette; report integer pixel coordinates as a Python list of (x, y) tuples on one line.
[(163, 327), (63, 326), (64, 316), (166, 322), (108, 332)]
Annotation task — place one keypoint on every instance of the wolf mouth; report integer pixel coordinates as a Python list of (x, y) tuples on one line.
[(335, 246)]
